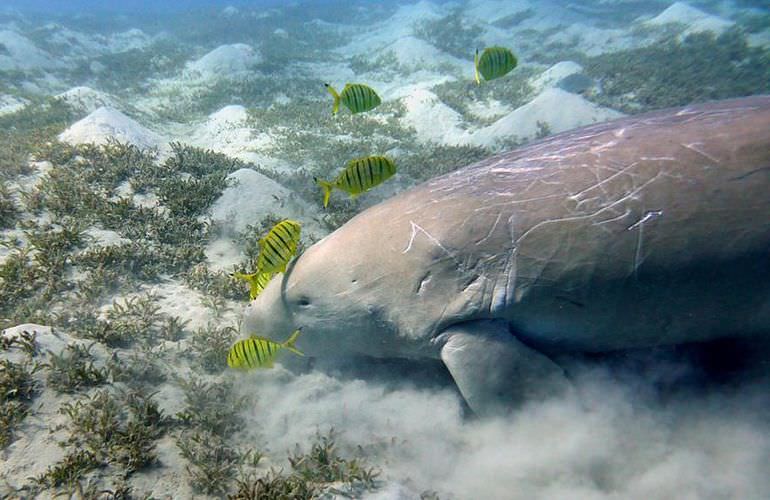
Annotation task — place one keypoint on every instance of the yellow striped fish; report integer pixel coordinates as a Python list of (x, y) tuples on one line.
[(259, 352), (494, 63), (278, 247), (357, 97), (257, 282), (360, 175)]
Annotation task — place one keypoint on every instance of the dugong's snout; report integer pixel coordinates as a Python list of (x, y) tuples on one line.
[(268, 315)]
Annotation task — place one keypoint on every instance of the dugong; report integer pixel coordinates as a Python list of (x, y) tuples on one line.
[(647, 230)]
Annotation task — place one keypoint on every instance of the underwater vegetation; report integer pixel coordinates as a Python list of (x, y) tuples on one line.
[(701, 67), (162, 58), (17, 389), (8, 210), (73, 369), (27, 131), (452, 33), (108, 429), (81, 189)]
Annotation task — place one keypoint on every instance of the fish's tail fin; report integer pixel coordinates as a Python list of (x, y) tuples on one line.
[(327, 187), (289, 344), (240, 276), (251, 279), (476, 67), (336, 106)]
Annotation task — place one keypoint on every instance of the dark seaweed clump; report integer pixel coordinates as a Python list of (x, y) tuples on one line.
[(701, 67), (26, 131), (452, 34)]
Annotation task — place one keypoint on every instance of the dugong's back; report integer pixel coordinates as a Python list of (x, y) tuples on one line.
[(650, 229)]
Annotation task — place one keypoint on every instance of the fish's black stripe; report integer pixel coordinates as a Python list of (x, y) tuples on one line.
[(266, 349), (277, 232), (238, 353), (290, 231), (366, 93), (260, 352), (350, 100), (345, 97), (361, 98), (354, 96), (251, 354), (356, 178), (362, 94), (377, 173), (368, 170), (268, 255), (283, 243), (391, 167), (276, 249), (243, 356), (357, 168)]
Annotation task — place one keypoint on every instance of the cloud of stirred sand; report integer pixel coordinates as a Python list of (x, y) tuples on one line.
[(613, 437)]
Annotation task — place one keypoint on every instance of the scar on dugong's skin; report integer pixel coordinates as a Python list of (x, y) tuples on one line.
[(648, 230)]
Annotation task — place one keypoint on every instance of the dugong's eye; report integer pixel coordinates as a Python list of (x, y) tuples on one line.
[(303, 302)]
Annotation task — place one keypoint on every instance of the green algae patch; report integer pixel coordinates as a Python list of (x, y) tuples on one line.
[(701, 67)]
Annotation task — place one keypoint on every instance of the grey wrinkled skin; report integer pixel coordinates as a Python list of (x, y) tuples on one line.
[(648, 230)]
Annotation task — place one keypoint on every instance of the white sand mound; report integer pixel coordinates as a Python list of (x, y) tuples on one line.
[(86, 99), (432, 120), (250, 197), (696, 20), (228, 131), (105, 123), (226, 61), (554, 74), (558, 109), (19, 53), (414, 53), (490, 109), (128, 40), (490, 11), (373, 38)]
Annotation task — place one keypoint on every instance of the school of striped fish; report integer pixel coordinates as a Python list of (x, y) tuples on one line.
[(279, 245)]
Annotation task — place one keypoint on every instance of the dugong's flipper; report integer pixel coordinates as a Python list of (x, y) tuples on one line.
[(494, 370)]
